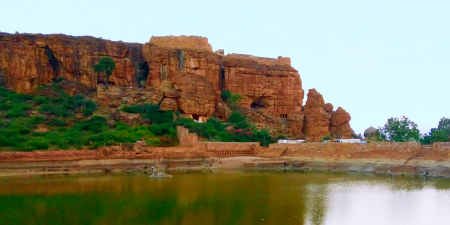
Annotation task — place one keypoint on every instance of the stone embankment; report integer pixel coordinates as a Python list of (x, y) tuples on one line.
[(377, 158)]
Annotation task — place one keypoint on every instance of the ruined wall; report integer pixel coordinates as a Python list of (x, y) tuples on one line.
[(29, 60)]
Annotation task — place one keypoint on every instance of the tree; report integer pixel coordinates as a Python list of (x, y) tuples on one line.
[(439, 134), (400, 130), (106, 66)]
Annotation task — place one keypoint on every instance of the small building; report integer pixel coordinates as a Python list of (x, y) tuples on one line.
[(287, 141), (352, 141)]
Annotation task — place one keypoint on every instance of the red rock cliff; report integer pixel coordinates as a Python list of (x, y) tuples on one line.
[(184, 74), (29, 60)]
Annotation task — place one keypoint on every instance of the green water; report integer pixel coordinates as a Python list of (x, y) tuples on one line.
[(224, 198)]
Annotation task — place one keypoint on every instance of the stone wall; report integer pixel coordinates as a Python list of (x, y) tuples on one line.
[(185, 138)]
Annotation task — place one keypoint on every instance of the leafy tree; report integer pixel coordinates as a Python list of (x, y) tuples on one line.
[(439, 134), (231, 99), (400, 130), (106, 66)]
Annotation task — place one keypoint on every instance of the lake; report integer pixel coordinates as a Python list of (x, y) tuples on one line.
[(225, 198)]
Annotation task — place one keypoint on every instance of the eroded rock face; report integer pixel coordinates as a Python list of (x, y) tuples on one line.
[(317, 119), (171, 56), (178, 73), (340, 124), (197, 95), (29, 60), (270, 87), (321, 121)]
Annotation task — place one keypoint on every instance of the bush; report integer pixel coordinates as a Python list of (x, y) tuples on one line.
[(163, 129), (239, 120), (151, 112), (36, 143), (95, 124), (215, 130), (231, 99)]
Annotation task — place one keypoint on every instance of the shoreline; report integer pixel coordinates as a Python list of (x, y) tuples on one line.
[(377, 158), (426, 168)]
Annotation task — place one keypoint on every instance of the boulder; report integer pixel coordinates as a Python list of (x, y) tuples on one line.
[(317, 119), (340, 124)]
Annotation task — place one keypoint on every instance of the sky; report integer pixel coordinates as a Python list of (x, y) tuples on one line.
[(377, 59)]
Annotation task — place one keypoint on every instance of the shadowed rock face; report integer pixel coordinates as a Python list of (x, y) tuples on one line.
[(183, 72), (30, 60)]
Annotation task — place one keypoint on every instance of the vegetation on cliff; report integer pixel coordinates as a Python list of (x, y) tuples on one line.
[(53, 119), (237, 128), (105, 66)]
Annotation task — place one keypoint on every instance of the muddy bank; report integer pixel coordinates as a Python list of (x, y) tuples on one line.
[(380, 158), (387, 167)]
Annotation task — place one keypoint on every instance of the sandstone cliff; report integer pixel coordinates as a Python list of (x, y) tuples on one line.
[(29, 60), (178, 73), (321, 121)]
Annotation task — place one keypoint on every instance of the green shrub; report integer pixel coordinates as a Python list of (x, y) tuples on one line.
[(231, 99), (18, 110), (151, 112), (239, 120), (36, 143), (95, 124), (163, 129)]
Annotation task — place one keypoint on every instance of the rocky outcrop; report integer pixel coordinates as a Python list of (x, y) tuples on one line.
[(322, 122), (340, 124), (270, 87), (179, 73), (317, 119), (197, 96), (29, 60), (168, 57)]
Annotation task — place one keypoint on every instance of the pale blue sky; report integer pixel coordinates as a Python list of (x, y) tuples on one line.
[(377, 58)]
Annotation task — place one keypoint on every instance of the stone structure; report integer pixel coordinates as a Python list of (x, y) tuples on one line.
[(179, 73)]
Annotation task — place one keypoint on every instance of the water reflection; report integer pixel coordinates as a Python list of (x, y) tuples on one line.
[(225, 198)]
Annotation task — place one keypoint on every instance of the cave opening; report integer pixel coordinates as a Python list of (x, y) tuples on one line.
[(195, 117), (142, 74), (222, 78), (2, 79), (180, 56), (52, 60), (259, 103)]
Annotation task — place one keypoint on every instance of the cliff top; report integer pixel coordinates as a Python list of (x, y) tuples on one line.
[(263, 63), (182, 42)]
